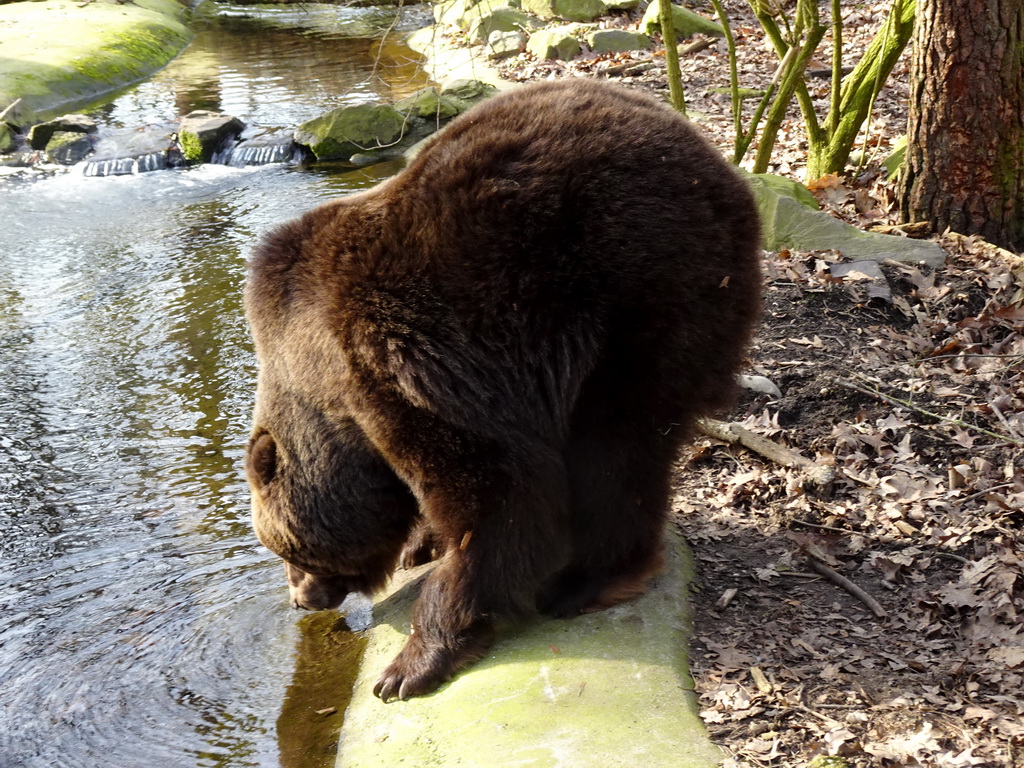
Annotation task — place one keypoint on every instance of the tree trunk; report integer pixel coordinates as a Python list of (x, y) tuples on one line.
[(965, 134)]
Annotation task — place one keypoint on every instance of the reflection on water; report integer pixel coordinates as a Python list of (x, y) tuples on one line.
[(275, 67), (140, 622), (325, 669)]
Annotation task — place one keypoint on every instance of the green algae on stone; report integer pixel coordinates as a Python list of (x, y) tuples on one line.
[(345, 131), (60, 53), (191, 147), (617, 40), (606, 689), (686, 22)]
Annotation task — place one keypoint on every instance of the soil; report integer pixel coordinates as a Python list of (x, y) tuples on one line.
[(789, 666)]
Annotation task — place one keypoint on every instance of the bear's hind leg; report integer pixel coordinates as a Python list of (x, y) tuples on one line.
[(619, 475)]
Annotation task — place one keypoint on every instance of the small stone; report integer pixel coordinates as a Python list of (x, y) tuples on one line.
[(505, 44), (554, 43), (616, 40), (39, 135), (202, 133), (68, 147)]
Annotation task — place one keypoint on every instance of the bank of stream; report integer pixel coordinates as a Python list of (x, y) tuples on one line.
[(142, 623)]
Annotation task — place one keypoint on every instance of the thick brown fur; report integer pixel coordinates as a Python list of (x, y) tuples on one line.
[(497, 354)]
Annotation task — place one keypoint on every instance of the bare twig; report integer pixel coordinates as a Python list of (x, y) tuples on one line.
[(760, 680), (819, 476), (844, 531), (978, 494), (840, 580), (9, 107), (866, 390)]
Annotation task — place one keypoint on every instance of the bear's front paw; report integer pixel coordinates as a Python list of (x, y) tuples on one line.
[(423, 665), (416, 671)]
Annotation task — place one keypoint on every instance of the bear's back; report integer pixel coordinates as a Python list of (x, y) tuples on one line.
[(570, 188)]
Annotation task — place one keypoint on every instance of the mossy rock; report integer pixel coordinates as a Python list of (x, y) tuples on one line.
[(894, 162), (346, 131), (503, 19), (202, 133), (39, 135), (502, 45), (570, 10), (794, 189), (59, 54), (554, 43), (428, 104), (465, 93), (788, 222), (616, 40), (8, 139), (481, 9), (68, 147), (686, 22)]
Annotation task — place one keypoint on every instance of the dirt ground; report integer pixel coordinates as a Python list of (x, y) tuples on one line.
[(908, 384), (924, 515)]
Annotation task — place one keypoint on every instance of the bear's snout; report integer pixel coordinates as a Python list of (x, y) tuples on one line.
[(314, 593)]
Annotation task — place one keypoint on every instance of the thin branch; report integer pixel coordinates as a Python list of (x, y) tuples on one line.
[(865, 390), (9, 107), (840, 580), (820, 476), (734, 80)]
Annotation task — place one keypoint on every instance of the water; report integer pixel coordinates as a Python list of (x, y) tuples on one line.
[(140, 622)]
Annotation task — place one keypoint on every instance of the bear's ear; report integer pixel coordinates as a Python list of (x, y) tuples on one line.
[(262, 459)]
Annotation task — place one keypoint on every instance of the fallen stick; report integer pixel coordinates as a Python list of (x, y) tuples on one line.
[(9, 107), (841, 581), (868, 390), (818, 476)]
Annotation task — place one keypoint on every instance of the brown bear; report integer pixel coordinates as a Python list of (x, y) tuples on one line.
[(498, 352)]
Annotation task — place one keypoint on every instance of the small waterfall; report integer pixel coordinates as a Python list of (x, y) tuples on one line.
[(125, 154), (261, 150), (124, 166), (126, 151)]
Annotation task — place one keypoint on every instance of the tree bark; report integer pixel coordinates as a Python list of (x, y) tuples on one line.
[(965, 134)]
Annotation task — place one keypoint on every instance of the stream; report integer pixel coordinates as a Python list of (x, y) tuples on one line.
[(141, 623)]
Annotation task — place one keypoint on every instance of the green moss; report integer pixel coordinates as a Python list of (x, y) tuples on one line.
[(59, 54), (191, 147)]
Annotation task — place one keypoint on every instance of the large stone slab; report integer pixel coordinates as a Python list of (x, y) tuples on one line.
[(607, 689), (788, 223), (59, 54), (686, 22)]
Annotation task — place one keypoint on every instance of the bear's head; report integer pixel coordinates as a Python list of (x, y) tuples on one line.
[(325, 502)]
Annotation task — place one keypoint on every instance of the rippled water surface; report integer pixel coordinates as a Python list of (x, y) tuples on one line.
[(140, 622)]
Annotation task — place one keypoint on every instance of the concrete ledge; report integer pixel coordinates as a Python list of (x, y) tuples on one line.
[(59, 55), (611, 688)]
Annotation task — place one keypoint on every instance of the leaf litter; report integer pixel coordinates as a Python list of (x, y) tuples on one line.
[(918, 402)]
